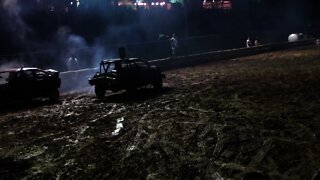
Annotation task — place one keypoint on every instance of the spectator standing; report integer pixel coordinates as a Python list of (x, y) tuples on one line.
[(72, 63), (256, 42), (248, 42), (174, 44)]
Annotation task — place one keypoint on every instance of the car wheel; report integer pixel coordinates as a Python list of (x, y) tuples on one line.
[(100, 92), (157, 84), (54, 95), (131, 89)]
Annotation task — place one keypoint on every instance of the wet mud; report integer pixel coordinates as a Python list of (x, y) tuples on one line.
[(255, 117)]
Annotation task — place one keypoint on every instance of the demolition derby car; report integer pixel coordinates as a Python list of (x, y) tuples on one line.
[(28, 83), (125, 74)]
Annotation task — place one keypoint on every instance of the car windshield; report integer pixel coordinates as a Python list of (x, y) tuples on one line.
[(109, 67)]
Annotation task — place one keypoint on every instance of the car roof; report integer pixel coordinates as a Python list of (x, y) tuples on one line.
[(118, 59), (18, 69)]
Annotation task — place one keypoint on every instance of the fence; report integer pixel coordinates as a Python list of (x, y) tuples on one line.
[(90, 55), (81, 76)]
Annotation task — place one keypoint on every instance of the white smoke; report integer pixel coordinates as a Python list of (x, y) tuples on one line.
[(11, 6), (77, 46), (11, 64), (15, 21)]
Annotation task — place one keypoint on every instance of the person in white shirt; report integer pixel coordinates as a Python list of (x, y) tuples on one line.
[(248, 42), (72, 63), (174, 44)]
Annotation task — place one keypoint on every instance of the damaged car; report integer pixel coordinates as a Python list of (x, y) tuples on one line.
[(28, 83), (125, 74)]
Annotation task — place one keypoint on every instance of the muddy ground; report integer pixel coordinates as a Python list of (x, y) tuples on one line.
[(254, 117)]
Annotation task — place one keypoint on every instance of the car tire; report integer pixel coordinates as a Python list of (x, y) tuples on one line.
[(131, 89), (157, 84), (54, 95), (100, 92)]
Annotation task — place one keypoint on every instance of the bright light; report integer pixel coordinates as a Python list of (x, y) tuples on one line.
[(146, 5), (140, 4)]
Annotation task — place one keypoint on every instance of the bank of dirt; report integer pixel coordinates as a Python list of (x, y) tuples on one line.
[(254, 117)]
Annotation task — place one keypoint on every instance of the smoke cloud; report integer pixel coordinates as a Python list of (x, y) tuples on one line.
[(48, 38), (14, 22), (12, 64)]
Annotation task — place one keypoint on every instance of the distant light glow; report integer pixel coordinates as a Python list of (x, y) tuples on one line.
[(217, 4), (145, 4), (158, 3)]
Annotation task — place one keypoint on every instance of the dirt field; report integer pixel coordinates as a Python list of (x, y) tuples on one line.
[(255, 117)]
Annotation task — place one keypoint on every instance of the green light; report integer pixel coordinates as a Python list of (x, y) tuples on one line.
[(176, 1)]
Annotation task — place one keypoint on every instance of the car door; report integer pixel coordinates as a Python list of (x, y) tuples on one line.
[(21, 84), (41, 82), (144, 73), (130, 74)]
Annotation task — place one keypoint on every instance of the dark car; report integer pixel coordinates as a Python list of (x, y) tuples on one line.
[(125, 74), (28, 83)]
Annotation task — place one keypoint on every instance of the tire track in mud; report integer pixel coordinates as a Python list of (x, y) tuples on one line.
[(214, 122)]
